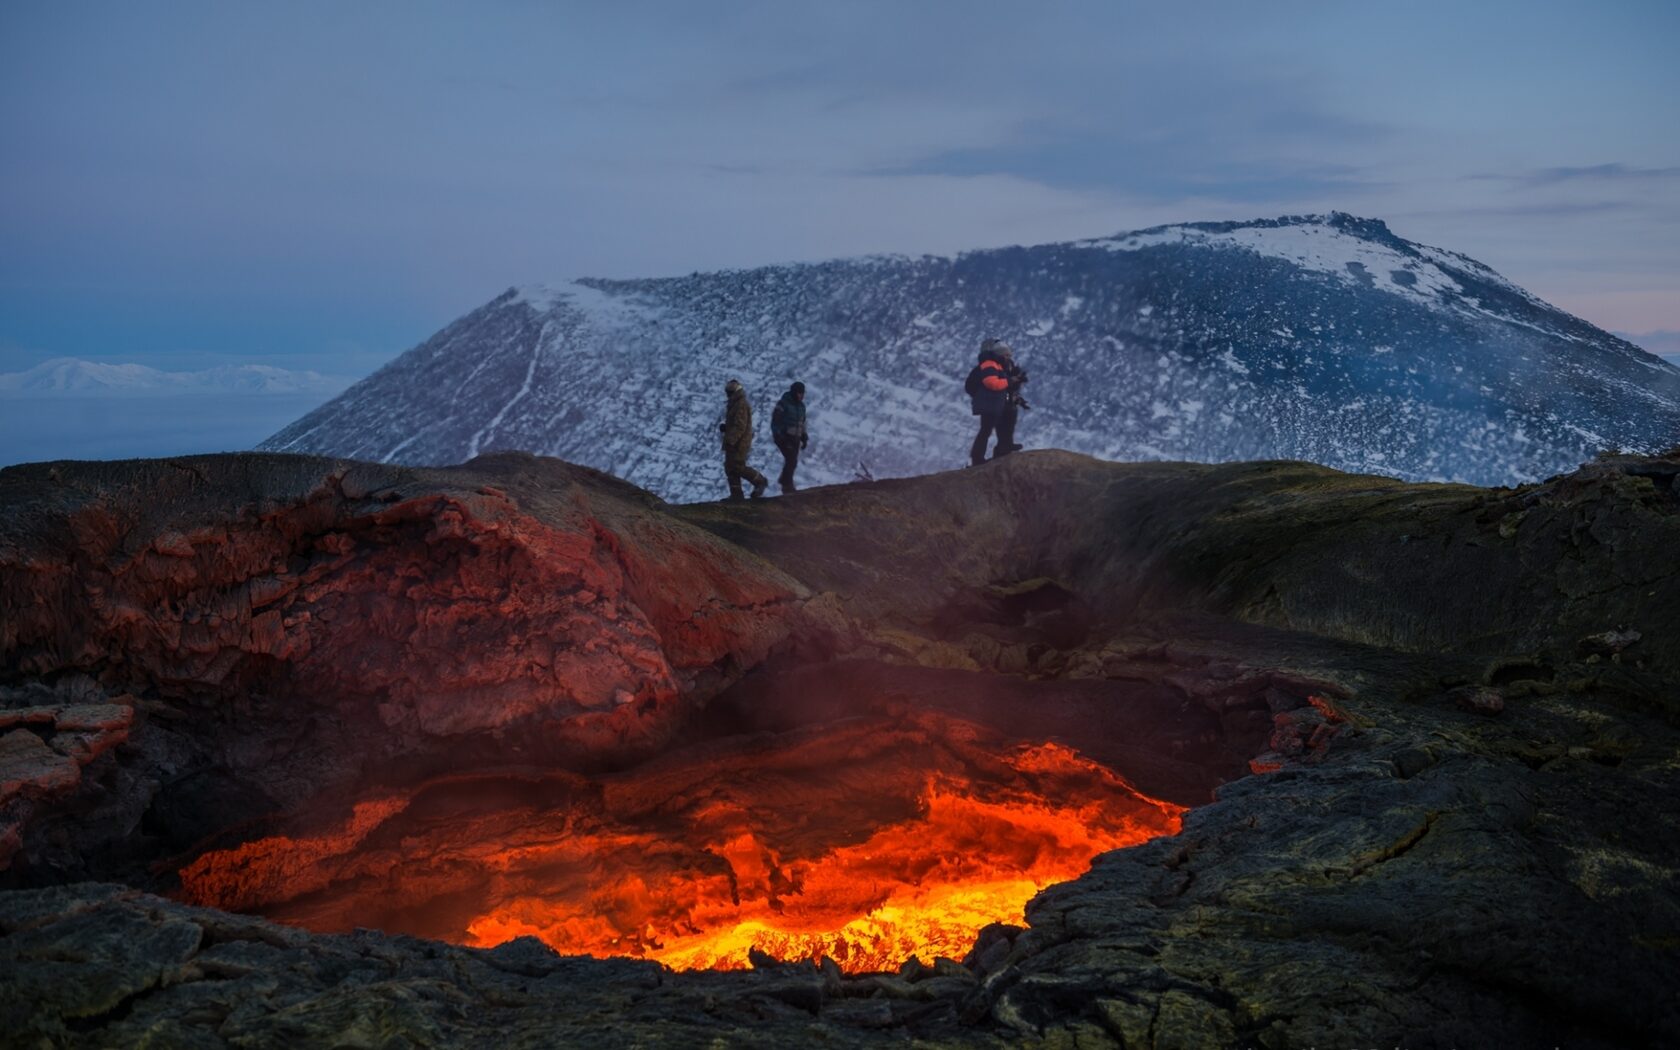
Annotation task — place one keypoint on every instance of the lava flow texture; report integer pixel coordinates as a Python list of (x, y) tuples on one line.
[(865, 844), (921, 886)]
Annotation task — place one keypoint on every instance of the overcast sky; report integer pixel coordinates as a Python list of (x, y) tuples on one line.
[(325, 185)]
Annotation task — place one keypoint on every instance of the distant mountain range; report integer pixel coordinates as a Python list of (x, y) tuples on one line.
[(1665, 344), (72, 376), (1325, 338)]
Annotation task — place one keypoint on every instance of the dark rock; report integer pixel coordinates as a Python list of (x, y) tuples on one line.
[(889, 986), (861, 1013), (803, 993), (1410, 761), (1404, 873), (988, 959), (833, 980), (1607, 643), (985, 942), (1478, 700), (525, 955)]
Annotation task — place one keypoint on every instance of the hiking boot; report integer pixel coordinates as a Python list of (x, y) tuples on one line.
[(758, 488)]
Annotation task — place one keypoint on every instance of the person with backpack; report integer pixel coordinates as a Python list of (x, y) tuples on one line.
[(737, 430), (993, 388), (787, 429)]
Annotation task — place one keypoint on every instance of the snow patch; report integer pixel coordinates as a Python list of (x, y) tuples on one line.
[(525, 388), (1319, 247)]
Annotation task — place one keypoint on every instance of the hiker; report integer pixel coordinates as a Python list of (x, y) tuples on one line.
[(993, 389), (737, 429), (787, 428), (1014, 402)]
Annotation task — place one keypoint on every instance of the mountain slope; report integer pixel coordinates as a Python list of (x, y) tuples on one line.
[(1325, 338)]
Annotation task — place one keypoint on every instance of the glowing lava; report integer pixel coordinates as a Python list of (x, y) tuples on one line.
[(865, 841), (921, 886)]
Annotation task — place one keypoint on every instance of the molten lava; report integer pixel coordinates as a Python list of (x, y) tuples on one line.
[(862, 843), (921, 886)]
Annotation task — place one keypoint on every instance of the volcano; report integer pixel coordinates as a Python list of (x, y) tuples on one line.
[(1326, 338), (309, 751)]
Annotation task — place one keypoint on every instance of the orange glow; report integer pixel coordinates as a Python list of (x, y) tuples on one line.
[(862, 843), (923, 886)]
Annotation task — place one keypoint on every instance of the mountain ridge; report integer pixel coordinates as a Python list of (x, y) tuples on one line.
[(78, 376), (1326, 338)]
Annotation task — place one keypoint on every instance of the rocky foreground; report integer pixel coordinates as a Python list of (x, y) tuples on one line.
[(1444, 722)]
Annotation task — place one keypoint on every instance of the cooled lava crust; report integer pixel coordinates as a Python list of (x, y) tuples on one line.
[(1399, 759)]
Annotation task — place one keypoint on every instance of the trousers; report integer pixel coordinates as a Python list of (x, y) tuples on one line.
[(1003, 423), (735, 468), (790, 460)]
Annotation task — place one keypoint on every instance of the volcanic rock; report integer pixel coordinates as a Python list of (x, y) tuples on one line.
[(297, 628), (316, 647)]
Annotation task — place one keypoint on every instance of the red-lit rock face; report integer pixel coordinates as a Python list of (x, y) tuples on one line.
[(474, 716), (312, 628)]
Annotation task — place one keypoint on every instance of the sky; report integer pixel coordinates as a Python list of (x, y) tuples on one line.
[(322, 186)]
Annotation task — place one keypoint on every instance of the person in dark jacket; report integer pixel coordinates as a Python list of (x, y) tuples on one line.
[(991, 388), (1012, 404), (737, 428), (787, 428)]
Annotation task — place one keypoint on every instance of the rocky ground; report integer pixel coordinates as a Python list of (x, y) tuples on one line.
[(1457, 708)]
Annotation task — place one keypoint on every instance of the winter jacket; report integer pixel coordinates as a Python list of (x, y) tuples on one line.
[(787, 422), (738, 424), (988, 384)]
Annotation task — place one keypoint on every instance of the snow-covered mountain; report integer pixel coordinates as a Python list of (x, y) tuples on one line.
[(72, 376), (1325, 338)]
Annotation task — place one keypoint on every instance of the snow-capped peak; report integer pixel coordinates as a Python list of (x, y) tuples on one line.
[(1351, 249), (1321, 337)]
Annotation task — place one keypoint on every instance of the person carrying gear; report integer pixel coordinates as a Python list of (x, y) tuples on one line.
[(991, 390), (787, 428), (1013, 404), (737, 429)]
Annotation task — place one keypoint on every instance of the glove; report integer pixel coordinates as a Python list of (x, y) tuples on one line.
[(804, 441), (723, 428)]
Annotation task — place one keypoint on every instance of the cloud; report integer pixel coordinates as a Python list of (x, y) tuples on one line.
[(1541, 210), (1161, 172), (373, 171), (1617, 172)]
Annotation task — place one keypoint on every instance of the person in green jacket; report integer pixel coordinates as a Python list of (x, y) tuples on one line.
[(787, 427), (737, 428)]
